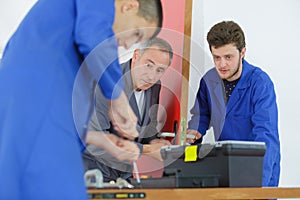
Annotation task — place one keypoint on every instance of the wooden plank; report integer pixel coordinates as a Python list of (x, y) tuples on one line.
[(206, 193), (185, 72)]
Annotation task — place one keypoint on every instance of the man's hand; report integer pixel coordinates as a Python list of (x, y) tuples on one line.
[(125, 150), (122, 117), (195, 133), (153, 149), (161, 141), (117, 147)]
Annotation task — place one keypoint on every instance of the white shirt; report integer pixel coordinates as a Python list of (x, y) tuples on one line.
[(140, 100)]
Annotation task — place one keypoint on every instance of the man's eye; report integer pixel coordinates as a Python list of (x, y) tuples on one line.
[(216, 58), (138, 35), (160, 70)]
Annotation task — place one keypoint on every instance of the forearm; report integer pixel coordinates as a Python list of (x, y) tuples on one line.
[(115, 146), (100, 139), (201, 113)]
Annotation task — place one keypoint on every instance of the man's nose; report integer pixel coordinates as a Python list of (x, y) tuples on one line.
[(151, 75), (223, 62)]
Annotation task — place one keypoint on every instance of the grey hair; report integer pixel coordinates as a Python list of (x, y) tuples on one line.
[(157, 43)]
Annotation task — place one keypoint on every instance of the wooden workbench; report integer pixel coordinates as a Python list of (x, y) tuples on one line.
[(196, 193)]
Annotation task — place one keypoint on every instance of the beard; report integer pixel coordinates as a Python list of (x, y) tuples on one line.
[(236, 71)]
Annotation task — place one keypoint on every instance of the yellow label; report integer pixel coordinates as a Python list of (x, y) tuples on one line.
[(121, 195), (190, 153)]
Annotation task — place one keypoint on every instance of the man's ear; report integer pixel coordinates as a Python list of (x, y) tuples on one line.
[(243, 52), (136, 55), (130, 6)]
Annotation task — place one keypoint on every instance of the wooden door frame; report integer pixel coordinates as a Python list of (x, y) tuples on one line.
[(185, 71)]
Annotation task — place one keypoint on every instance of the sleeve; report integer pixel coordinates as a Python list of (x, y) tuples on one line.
[(265, 127), (95, 39), (200, 112), (100, 120)]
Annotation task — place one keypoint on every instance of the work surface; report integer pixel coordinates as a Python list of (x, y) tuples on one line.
[(196, 193)]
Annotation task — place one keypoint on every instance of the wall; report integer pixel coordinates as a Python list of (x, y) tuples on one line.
[(272, 29), (11, 13), (173, 32)]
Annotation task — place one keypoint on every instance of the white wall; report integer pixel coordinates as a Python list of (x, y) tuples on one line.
[(11, 13), (272, 29)]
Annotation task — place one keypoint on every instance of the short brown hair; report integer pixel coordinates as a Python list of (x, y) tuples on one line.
[(226, 32), (152, 11)]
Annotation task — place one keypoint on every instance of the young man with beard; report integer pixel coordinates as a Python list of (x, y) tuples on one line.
[(237, 99)]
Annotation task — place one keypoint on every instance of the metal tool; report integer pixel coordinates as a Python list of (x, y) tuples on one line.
[(135, 169), (94, 179)]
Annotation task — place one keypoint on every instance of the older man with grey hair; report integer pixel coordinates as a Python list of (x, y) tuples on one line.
[(141, 76)]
